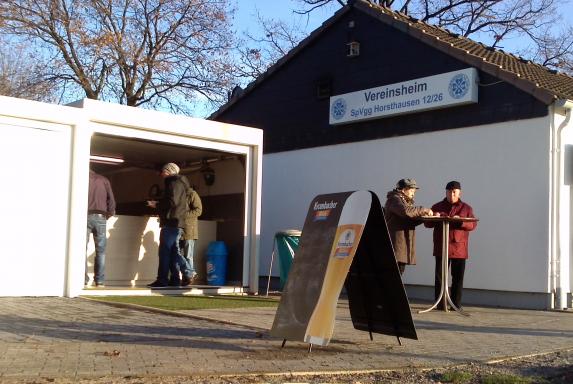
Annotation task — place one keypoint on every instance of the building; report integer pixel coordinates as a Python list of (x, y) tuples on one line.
[(373, 96), (47, 152)]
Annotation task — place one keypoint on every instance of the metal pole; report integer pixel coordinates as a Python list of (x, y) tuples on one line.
[(271, 267), (445, 251)]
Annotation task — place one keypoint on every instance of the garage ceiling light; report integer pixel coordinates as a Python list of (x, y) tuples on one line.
[(105, 160)]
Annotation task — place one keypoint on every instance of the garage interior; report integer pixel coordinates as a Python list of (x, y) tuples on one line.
[(132, 165)]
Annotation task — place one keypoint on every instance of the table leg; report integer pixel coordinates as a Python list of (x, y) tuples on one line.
[(445, 272), (445, 252), (444, 292)]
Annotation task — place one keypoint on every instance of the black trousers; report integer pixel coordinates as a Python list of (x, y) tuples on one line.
[(401, 267), (457, 268)]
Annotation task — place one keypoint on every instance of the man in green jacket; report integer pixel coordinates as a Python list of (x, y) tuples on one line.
[(172, 209), (190, 235)]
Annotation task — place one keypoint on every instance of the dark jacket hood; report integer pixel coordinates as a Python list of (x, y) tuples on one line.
[(399, 194)]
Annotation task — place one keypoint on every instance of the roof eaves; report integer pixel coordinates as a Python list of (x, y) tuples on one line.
[(496, 71)]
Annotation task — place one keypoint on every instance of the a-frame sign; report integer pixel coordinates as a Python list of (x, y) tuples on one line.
[(344, 239)]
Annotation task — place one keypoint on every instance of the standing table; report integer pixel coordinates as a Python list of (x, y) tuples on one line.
[(444, 291)]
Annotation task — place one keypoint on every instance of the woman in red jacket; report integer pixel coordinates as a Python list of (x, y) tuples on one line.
[(452, 206)]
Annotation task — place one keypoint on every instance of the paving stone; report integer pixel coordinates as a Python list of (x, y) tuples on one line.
[(60, 337)]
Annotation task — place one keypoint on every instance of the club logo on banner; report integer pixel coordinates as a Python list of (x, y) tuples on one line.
[(459, 86), (338, 109)]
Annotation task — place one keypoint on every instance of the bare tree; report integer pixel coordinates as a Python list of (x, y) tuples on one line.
[(494, 22), (21, 74), (258, 52), (136, 52), (555, 51)]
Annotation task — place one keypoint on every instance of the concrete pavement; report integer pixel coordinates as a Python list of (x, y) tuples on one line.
[(79, 338)]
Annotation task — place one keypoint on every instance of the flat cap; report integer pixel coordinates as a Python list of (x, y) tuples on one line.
[(407, 183)]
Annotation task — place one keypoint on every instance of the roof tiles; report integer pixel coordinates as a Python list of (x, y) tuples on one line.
[(543, 83)]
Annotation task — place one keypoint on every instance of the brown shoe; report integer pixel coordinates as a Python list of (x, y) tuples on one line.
[(190, 281)]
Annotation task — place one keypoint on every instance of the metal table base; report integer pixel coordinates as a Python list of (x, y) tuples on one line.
[(444, 291)]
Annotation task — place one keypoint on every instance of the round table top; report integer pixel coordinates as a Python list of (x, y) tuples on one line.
[(449, 218)]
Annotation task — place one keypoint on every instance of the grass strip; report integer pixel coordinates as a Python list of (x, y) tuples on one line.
[(456, 377), (185, 303)]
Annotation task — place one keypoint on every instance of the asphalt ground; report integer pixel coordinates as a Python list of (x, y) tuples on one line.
[(80, 338)]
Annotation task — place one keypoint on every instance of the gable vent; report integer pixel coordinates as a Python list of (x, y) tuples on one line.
[(353, 49), (324, 88)]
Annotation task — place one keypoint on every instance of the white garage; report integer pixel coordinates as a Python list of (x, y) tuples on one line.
[(46, 153)]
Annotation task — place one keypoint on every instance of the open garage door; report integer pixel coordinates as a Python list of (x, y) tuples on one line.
[(132, 165)]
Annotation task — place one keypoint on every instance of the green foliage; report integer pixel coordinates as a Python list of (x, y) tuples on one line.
[(180, 303), (456, 377)]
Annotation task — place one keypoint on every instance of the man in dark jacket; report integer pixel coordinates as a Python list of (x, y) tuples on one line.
[(452, 206), (173, 210), (402, 219), (101, 206)]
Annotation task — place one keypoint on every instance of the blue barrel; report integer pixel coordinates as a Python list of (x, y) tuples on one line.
[(216, 263)]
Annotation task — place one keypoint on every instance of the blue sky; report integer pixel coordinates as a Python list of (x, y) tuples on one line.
[(283, 10), (245, 17)]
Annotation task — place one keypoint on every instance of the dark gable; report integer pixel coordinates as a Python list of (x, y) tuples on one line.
[(291, 101)]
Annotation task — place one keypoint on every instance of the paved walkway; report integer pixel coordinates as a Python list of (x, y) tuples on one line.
[(59, 337)]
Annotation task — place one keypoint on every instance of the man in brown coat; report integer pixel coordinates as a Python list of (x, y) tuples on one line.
[(401, 218)]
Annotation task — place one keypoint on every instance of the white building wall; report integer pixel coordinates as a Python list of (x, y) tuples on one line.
[(562, 273), (504, 172), (35, 163)]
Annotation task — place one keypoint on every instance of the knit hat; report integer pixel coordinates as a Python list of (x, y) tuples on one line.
[(453, 185), (171, 168)]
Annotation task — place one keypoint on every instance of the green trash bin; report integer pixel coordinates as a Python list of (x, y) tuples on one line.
[(286, 243)]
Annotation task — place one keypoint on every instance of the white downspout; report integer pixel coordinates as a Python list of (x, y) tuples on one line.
[(557, 181)]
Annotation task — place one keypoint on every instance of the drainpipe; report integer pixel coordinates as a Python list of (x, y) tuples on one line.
[(557, 180)]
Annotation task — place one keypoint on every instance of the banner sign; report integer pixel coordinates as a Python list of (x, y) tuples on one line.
[(332, 240), (433, 92)]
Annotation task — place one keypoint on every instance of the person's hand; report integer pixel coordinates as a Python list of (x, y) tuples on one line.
[(152, 203), (437, 214), (429, 212)]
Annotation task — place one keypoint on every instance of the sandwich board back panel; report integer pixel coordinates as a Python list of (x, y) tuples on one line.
[(377, 299)]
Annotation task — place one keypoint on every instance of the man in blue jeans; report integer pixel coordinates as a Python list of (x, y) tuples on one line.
[(173, 210), (101, 206)]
